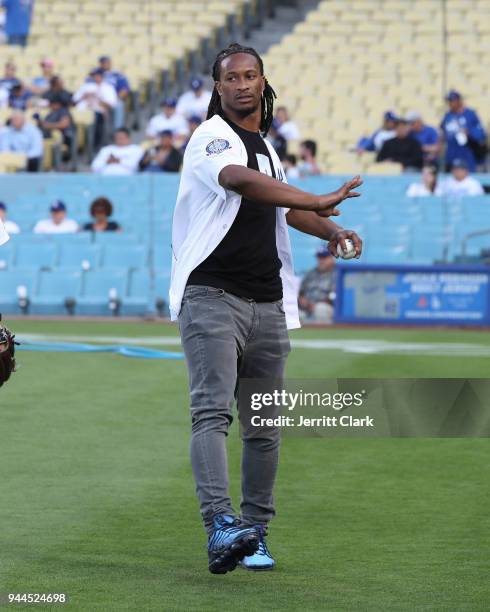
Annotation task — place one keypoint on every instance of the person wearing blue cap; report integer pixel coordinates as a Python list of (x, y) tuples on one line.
[(168, 119), (317, 290), (10, 226), (378, 137), (463, 132), (195, 101), (58, 222)]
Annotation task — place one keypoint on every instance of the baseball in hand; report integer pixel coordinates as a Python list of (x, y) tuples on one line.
[(349, 252)]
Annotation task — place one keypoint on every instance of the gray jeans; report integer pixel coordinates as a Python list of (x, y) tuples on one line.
[(226, 338)]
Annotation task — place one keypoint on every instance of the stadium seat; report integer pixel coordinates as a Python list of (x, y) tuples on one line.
[(138, 300), (100, 287), (79, 256), (14, 284), (36, 256), (129, 256), (53, 291)]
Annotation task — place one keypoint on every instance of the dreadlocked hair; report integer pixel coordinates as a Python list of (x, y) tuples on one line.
[(267, 104)]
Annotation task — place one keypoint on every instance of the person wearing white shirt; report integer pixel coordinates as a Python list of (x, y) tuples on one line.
[(195, 101), (23, 137), (460, 183), (120, 158), (10, 226), (233, 292), (287, 128), (429, 186), (168, 119), (58, 223), (97, 95)]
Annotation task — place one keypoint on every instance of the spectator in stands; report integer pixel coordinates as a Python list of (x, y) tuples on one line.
[(40, 84), (98, 96), (277, 141), (58, 118), (168, 119), (9, 78), (460, 183), (307, 152), (377, 138), (427, 136), (290, 165), (23, 137), (101, 209), (121, 84), (193, 123), (402, 149), (57, 89), (20, 98), (464, 133), (285, 126), (58, 222), (18, 20), (120, 158), (429, 185), (317, 290), (164, 157), (10, 226), (195, 101)]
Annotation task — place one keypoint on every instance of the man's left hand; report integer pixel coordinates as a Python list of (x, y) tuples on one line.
[(339, 238)]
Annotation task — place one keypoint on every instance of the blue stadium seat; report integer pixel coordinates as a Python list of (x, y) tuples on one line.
[(75, 255), (7, 252), (138, 300), (53, 289), (36, 256), (76, 238), (129, 256), (119, 238), (10, 281), (162, 287), (97, 286)]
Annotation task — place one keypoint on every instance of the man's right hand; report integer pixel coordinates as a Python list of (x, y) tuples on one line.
[(328, 202)]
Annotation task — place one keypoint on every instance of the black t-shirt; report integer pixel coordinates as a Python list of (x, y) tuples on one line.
[(246, 262)]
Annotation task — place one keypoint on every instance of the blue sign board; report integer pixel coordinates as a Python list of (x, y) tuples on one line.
[(449, 295)]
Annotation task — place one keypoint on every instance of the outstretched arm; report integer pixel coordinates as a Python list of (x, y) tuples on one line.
[(271, 192)]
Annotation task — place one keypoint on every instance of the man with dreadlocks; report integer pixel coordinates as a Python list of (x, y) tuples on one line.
[(234, 296)]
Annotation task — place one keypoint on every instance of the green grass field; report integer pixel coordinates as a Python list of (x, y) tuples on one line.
[(97, 498)]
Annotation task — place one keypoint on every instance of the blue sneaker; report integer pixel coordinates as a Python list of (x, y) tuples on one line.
[(262, 559), (229, 543)]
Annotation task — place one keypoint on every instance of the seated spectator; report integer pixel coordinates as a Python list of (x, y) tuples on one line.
[(58, 118), (429, 185), (168, 119), (18, 20), (121, 84), (101, 209), (460, 183), (20, 98), (427, 136), (9, 78), (120, 158), (40, 84), (57, 89), (23, 137), (286, 128), (307, 152), (317, 291), (195, 101), (98, 96), (193, 123), (10, 226), (402, 149), (377, 138), (277, 141), (290, 165), (163, 157), (464, 134), (58, 223)]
